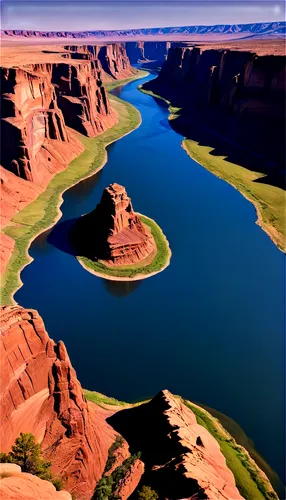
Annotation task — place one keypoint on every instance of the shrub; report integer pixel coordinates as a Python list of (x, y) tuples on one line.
[(27, 453), (146, 493)]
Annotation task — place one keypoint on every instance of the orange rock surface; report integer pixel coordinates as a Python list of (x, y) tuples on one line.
[(115, 61), (131, 480), (181, 458), (17, 485), (41, 394), (113, 232), (41, 102)]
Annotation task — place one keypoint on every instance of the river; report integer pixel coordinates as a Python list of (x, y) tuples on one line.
[(210, 327)]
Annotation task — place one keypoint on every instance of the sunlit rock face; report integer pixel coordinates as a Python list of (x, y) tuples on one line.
[(40, 393), (113, 232)]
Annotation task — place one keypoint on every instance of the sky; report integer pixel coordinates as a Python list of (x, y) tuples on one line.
[(81, 15)]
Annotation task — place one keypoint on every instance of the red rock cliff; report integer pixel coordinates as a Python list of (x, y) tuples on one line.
[(39, 143), (80, 91), (40, 104), (182, 460), (115, 61), (40, 393)]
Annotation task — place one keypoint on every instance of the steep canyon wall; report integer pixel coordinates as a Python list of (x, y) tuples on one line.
[(40, 393), (43, 105), (236, 93)]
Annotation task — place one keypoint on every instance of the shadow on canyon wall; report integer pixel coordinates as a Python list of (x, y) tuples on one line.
[(240, 121), (238, 151)]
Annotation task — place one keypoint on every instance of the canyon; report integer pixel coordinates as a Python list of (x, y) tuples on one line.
[(50, 104), (45, 105), (40, 393), (236, 93)]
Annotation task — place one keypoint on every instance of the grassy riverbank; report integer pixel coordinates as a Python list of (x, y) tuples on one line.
[(269, 201), (117, 83), (44, 211), (160, 261), (250, 480)]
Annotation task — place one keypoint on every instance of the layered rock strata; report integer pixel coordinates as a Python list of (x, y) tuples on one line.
[(80, 91), (40, 105), (39, 143), (115, 61), (40, 393), (182, 460), (113, 232)]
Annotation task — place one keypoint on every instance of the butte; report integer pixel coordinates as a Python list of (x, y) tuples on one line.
[(113, 233)]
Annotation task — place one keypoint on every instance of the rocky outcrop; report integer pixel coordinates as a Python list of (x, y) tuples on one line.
[(17, 485), (113, 232), (235, 93), (81, 95), (42, 105), (40, 393), (115, 61), (130, 482), (182, 460), (39, 143)]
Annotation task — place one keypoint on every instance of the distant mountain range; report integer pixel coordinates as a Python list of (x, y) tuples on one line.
[(233, 30)]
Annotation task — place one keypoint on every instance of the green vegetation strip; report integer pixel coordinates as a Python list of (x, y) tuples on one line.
[(250, 480), (117, 83), (44, 211), (268, 200), (101, 399), (160, 261)]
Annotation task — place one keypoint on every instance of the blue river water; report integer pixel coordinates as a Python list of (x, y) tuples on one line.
[(210, 327)]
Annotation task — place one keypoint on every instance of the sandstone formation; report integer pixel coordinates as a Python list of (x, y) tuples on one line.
[(235, 93), (182, 460), (41, 394), (129, 483), (17, 485), (113, 232), (39, 143), (80, 92), (115, 61), (41, 102)]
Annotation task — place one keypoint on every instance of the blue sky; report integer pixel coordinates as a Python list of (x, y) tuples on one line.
[(117, 14)]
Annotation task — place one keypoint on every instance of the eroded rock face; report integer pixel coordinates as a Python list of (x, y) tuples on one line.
[(181, 458), (115, 61), (81, 94), (40, 105), (40, 393), (39, 143), (113, 232)]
